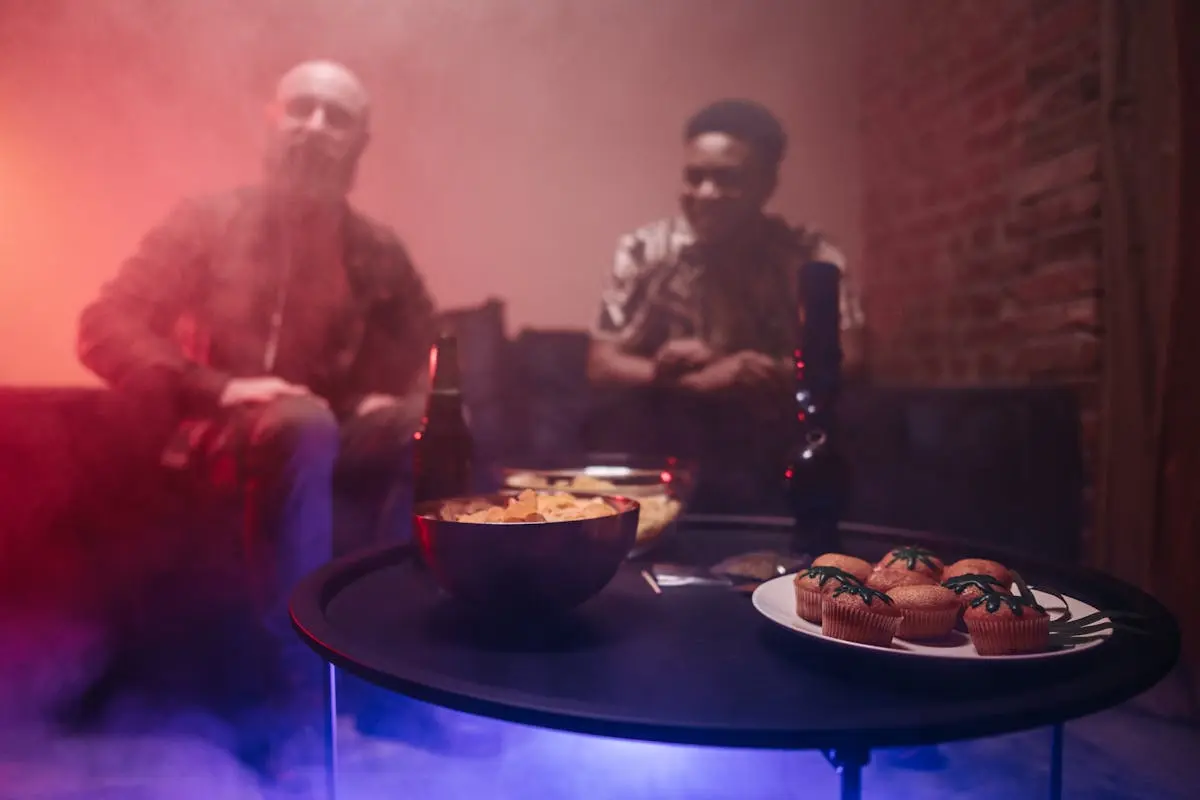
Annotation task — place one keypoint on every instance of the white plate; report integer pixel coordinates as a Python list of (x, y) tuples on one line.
[(776, 600), (607, 472)]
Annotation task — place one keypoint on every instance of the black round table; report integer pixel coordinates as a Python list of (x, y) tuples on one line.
[(698, 665)]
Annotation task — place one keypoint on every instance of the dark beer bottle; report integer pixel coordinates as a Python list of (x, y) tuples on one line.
[(443, 449), (816, 474)]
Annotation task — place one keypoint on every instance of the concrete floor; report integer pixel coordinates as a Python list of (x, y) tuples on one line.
[(1118, 754), (1122, 753)]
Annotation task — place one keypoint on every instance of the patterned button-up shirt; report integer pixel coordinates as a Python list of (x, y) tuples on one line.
[(661, 289), (212, 293)]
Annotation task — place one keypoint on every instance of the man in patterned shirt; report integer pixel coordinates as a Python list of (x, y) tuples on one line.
[(701, 308)]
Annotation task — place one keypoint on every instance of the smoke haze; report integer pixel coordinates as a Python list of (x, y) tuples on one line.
[(513, 141)]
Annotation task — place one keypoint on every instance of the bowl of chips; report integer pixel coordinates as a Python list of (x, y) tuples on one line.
[(526, 551), (662, 486)]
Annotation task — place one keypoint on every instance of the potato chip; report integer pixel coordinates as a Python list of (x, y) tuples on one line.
[(529, 506), (527, 480), (586, 483)]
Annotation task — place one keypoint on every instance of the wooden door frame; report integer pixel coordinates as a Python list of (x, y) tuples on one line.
[(1147, 520), (1176, 552)]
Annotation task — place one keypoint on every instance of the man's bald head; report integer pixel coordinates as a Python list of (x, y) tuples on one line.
[(329, 81), (319, 123)]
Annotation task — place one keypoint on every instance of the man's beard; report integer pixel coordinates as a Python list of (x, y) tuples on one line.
[(306, 173)]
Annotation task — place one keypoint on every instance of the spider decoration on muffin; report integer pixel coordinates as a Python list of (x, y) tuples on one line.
[(1001, 617), (1024, 625), (1005, 624), (970, 587), (866, 593), (994, 601), (814, 583), (1066, 631), (912, 558), (855, 566), (851, 613), (984, 583), (824, 574)]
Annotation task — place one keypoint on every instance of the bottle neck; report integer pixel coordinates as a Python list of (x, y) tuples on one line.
[(444, 408), (446, 377)]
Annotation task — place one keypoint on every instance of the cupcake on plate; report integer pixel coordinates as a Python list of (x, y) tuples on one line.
[(1005, 624), (979, 566), (815, 582), (927, 612), (858, 613), (970, 586), (884, 580), (913, 559), (855, 566)]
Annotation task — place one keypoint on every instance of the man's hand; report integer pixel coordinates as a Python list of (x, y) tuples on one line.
[(682, 355), (742, 370), (375, 402), (414, 405), (255, 391)]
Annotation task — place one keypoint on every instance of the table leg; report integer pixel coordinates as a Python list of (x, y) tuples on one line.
[(331, 733), (849, 763), (1056, 762)]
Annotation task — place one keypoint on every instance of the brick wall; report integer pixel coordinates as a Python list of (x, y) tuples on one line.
[(981, 135)]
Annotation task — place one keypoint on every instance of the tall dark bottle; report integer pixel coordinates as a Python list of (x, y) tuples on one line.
[(816, 476), (443, 448)]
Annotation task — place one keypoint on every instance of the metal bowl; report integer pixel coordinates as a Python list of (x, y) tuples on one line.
[(662, 485), (523, 567)]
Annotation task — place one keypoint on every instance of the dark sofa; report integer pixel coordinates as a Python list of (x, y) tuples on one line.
[(90, 528), (999, 465)]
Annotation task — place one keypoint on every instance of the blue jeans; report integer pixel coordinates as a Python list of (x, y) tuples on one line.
[(294, 454)]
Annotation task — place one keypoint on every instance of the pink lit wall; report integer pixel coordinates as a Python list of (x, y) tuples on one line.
[(514, 139)]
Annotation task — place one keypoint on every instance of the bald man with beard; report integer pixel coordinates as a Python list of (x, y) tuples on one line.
[(276, 341)]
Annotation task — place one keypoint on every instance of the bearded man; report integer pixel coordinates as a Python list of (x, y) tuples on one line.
[(277, 340)]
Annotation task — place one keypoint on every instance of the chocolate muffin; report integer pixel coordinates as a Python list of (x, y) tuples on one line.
[(855, 566), (979, 566), (927, 612), (813, 583), (1005, 624), (859, 614), (913, 559), (970, 586), (884, 580)]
